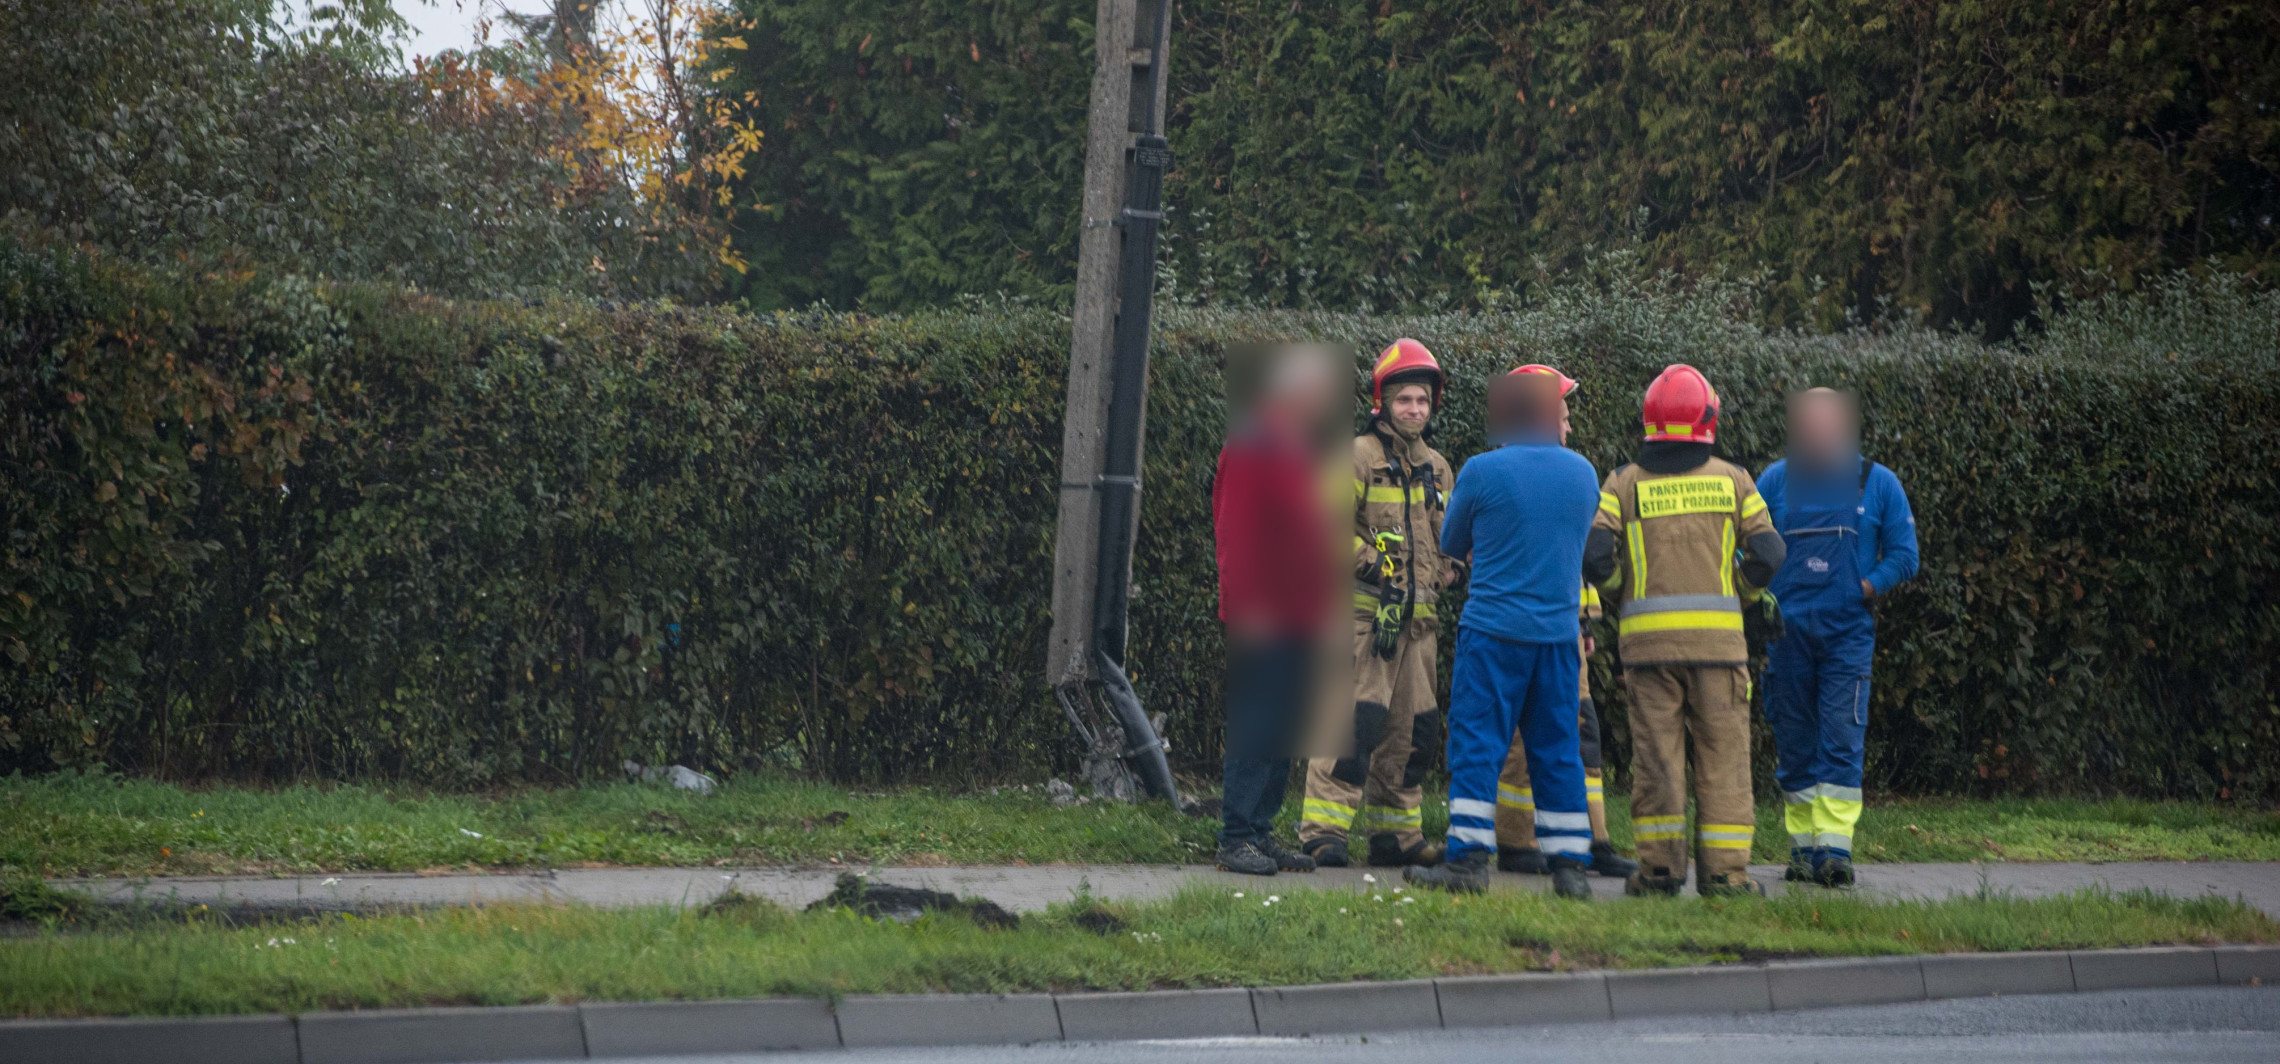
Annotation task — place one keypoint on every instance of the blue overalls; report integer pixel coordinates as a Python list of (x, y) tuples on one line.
[(1816, 676)]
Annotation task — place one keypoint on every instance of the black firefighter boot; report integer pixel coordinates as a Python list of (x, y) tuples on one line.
[(1655, 882), (1328, 851), (1457, 875), (1386, 852), (1606, 862)]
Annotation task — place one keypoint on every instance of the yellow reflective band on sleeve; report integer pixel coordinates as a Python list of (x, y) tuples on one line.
[(1391, 493), (1649, 828), (1590, 596), (1361, 490), (1753, 506), (1726, 836), (1680, 621), (1672, 496), (1593, 788), (1611, 504), (1325, 811), (1726, 559), (1638, 541), (1522, 798), (1363, 600)]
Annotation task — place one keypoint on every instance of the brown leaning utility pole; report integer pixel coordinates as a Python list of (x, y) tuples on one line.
[(1105, 426)]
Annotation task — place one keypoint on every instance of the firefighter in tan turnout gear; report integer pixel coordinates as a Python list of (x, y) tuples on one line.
[(1682, 541), (1516, 849), (1400, 490)]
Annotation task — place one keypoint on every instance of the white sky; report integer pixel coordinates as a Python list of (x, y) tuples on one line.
[(441, 25), (444, 25)]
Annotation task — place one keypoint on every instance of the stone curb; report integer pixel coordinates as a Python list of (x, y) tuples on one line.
[(604, 1030)]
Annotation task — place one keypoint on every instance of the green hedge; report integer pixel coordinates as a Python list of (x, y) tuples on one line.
[(1943, 156), (255, 528)]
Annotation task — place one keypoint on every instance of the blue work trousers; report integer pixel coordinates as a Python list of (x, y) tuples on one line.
[(1500, 686), (1816, 700)]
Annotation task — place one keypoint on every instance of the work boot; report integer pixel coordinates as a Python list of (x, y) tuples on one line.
[(1458, 875), (1246, 858), (1659, 883), (1528, 862), (1728, 885), (1284, 858), (1328, 851), (1606, 862), (1800, 868), (1386, 852), (1835, 873), (1569, 880)]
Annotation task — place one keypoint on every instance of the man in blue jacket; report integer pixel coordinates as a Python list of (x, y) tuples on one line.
[(1851, 540), (1521, 512)]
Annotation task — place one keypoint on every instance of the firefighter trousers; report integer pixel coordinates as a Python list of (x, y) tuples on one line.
[(1711, 705), (1378, 787), (1516, 798)]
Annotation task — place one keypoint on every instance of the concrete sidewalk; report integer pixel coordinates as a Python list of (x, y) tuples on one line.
[(1031, 888)]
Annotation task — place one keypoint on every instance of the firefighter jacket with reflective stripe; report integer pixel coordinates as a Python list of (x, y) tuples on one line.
[(1676, 595), (1401, 489)]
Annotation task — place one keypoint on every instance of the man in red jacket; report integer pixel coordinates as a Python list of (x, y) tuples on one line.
[(1275, 565)]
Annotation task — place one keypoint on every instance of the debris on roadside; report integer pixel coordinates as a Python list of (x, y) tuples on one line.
[(903, 905), (682, 777)]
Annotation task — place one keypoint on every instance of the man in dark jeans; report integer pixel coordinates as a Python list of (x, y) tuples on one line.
[(1275, 571)]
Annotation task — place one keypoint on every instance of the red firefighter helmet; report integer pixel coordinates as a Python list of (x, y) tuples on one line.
[(1567, 383), (1404, 361), (1681, 406)]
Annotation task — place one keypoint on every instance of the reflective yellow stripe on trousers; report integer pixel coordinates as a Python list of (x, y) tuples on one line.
[(1325, 811), (1658, 828)]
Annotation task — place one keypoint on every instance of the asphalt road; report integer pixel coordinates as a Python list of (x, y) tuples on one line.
[(2212, 1024)]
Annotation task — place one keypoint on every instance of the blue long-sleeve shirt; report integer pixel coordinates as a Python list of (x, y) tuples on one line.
[(1522, 511), (1887, 552)]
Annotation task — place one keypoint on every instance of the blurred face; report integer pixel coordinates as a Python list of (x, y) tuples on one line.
[(1524, 404), (1824, 426), (1411, 406)]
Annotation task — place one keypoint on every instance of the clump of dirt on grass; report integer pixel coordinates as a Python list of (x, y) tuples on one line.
[(886, 901), (1098, 920), (734, 904)]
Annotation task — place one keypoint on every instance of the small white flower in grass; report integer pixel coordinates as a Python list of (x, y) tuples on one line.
[(329, 881), (1397, 921), (1408, 901), (1341, 912), (1274, 897), (1368, 878), (1377, 897), (471, 834), (1238, 893)]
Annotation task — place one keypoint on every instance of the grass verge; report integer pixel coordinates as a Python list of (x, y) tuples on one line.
[(510, 954), (70, 824)]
